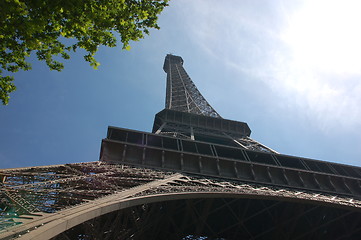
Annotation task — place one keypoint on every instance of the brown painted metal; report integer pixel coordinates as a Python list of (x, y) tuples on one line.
[(158, 187), (196, 176)]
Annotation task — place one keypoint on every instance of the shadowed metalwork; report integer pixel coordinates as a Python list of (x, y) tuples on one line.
[(187, 113), (196, 176), (182, 94)]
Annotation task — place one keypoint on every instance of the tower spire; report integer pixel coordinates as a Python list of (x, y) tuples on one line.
[(156, 186), (182, 94), (187, 113)]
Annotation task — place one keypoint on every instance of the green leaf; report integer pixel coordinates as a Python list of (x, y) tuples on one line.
[(6, 87), (42, 26)]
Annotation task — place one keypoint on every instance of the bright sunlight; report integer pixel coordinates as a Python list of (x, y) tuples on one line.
[(326, 35)]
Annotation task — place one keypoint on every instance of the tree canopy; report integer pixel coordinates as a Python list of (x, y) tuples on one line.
[(43, 27)]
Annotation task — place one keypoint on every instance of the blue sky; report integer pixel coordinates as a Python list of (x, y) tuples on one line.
[(290, 69)]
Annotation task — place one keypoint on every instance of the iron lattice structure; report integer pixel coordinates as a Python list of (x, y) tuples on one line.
[(191, 178), (182, 94), (187, 113)]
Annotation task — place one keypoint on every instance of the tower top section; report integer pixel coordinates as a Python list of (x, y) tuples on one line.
[(187, 114), (171, 59), (182, 94)]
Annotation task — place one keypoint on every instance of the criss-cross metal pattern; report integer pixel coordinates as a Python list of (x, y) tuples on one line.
[(30, 195), (99, 200), (196, 176), (182, 94)]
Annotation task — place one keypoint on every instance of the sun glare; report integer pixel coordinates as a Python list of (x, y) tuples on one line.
[(326, 35)]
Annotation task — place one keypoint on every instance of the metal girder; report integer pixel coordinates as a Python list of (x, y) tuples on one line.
[(226, 218), (159, 188), (42, 194), (207, 159), (182, 94), (210, 180)]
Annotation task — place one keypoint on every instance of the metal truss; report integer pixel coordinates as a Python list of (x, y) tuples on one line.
[(222, 218), (182, 94), (219, 160), (97, 200), (251, 144), (30, 193), (197, 176), (196, 133)]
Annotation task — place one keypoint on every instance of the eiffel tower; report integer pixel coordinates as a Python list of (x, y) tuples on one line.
[(196, 176)]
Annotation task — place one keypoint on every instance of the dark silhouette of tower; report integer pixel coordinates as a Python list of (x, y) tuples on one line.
[(196, 176)]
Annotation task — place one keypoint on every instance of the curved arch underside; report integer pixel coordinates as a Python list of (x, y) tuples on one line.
[(221, 218), (154, 204)]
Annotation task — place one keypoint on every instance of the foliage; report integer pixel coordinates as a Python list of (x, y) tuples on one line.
[(43, 26)]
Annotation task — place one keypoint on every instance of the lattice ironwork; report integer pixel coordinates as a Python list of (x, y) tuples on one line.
[(197, 176), (97, 200), (210, 212), (29, 193), (223, 218), (182, 94)]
